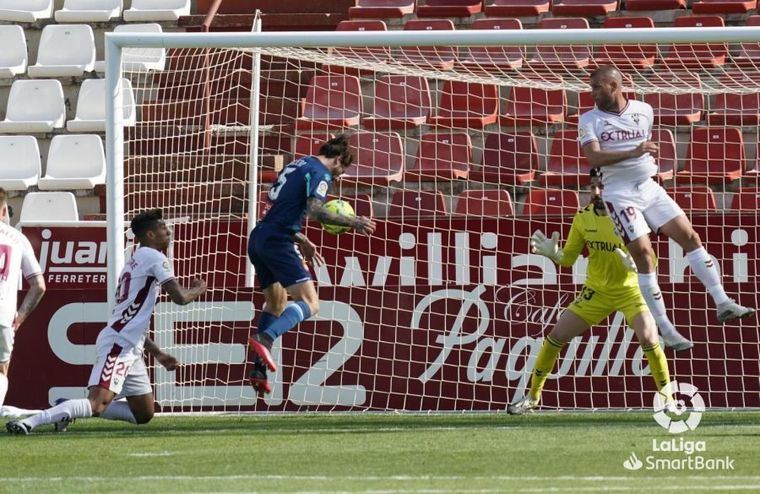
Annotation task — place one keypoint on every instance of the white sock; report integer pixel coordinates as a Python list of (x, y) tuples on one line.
[(3, 388), (703, 266), (653, 297), (119, 410), (70, 409)]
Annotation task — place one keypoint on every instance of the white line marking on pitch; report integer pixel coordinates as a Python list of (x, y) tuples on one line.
[(158, 453)]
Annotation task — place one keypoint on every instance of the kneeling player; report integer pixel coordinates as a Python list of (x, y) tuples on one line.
[(611, 285), (120, 368)]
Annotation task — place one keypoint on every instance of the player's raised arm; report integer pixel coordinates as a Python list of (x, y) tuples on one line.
[(316, 210), (183, 296)]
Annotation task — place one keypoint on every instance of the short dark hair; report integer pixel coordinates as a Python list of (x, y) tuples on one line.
[(145, 221), (338, 146), (3, 197)]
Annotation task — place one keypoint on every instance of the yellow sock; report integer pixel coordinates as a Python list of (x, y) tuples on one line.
[(545, 361), (658, 364)]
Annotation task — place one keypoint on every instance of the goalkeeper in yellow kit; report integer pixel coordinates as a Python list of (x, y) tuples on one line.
[(611, 285)]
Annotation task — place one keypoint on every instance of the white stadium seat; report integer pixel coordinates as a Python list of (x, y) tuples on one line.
[(13, 57), (49, 207), (91, 106), (157, 10), (65, 51), (89, 11), (19, 162), (25, 10), (34, 106), (139, 59), (75, 161)]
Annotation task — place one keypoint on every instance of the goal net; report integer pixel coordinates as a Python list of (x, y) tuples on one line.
[(462, 151)]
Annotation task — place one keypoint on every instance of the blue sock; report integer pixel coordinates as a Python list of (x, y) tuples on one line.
[(266, 320), (290, 317)]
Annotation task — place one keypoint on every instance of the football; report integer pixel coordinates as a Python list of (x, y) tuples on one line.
[(342, 208)]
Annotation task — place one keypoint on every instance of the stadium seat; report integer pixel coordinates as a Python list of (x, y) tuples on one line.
[(139, 59), (627, 57), (746, 200), (157, 10), (19, 162), (561, 57), (566, 166), (551, 201), (13, 58), (75, 161), (695, 198), (449, 8), (528, 106), (697, 55), (508, 159), (87, 11), (444, 156), (723, 6), (736, 108), (488, 203), (91, 106), (715, 155), (584, 8), (436, 57), (401, 102), (66, 50), (375, 55), (749, 52), (25, 10), (49, 207), (34, 106), (416, 203), (655, 4), (489, 58), (379, 159), (517, 8), (467, 105), (332, 101), (381, 9), (675, 109), (667, 160)]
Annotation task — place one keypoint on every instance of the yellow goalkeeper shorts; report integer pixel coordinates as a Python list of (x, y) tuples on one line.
[(594, 306)]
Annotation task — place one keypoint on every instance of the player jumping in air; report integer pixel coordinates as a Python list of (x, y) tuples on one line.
[(615, 136), (120, 369), (16, 259), (610, 286), (301, 189)]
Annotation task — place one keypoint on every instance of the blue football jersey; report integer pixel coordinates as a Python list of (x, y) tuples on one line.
[(306, 177)]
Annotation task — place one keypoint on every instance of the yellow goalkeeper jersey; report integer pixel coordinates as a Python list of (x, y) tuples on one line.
[(606, 272)]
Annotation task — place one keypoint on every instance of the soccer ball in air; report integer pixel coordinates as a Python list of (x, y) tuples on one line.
[(342, 208)]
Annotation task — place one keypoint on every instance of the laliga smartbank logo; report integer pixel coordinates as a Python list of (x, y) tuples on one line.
[(678, 415)]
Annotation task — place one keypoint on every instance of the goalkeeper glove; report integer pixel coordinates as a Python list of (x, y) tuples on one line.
[(626, 259), (547, 247)]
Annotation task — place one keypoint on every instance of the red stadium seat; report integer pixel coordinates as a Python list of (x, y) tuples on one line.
[(332, 101), (746, 200), (697, 55), (380, 55), (737, 108), (723, 6), (627, 57), (449, 8), (508, 159), (561, 57), (417, 203), (381, 9), (551, 201), (584, 8), (309, 144), (444, 156), (488, 58), (401, 102), (750, 52), (567, 166), (517, 8), (696, 198), (715, 155), (655, 4), (436, 57), (527, 106), (675, 109), (467, 105), (666, 159), (489, 203), (379, 158)]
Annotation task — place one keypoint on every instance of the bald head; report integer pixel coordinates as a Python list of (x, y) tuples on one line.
[(607, 88), (608, 72)]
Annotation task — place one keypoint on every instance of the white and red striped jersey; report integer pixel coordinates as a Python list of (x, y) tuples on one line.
[(16, 259), (137, 293)]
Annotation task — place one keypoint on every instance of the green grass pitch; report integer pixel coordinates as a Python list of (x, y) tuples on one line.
[(378, 453)]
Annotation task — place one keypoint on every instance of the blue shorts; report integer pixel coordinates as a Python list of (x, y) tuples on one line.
[(274, 256)]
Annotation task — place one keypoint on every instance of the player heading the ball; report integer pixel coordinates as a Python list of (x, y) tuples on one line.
[(300, 189)]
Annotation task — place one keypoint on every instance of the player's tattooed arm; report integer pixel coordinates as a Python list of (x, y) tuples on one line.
[(163, 358), (316, 210)]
